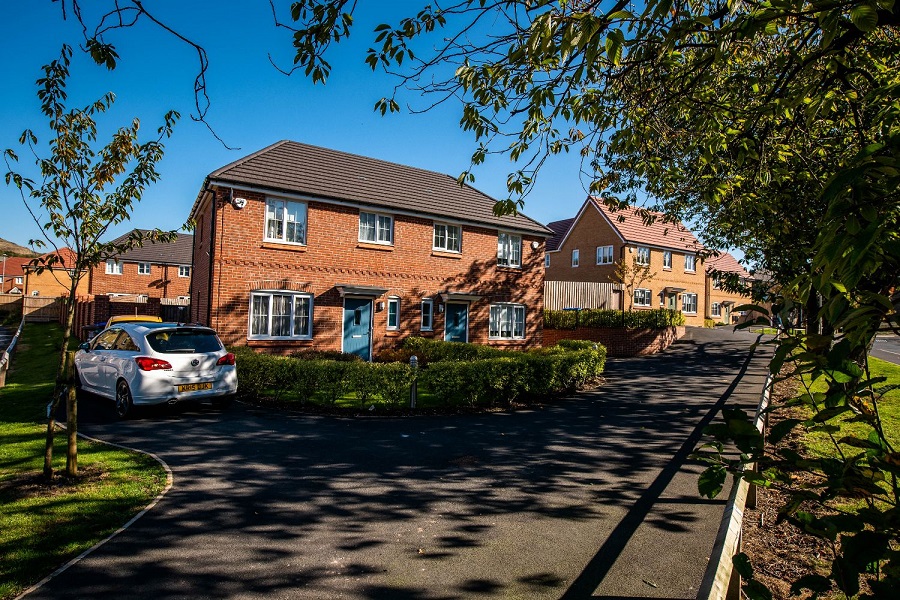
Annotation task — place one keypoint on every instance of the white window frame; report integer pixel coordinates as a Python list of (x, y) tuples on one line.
[(509, 250), (715, 310), (19, 280), (378, 229), (278, 205), (446, 247), (427, 310), (294, 335), (693, 260), (576, 257), (684, 303), (506, 321), (642, 251), (393, 301), (184, 270), (604, 255), (646, 297), (667, 259), (143, 268), (113, 267)]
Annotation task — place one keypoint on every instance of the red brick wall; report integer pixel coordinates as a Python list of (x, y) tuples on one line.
[(90, 310), (333, 255), (619, 341), (162, 282), (200, 273), (593, 230)]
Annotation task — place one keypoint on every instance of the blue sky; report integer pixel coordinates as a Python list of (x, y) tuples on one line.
[(253, 105)]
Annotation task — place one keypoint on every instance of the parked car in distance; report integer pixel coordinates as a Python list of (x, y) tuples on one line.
[(133, 319), (154, 363)]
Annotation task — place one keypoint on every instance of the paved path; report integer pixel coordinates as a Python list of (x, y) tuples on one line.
[(590, 497), (887, 347)]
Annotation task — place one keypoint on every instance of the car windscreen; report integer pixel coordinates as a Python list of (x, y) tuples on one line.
[(184, 341)]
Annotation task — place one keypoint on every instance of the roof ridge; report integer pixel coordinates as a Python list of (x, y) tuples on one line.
[(244, 159)]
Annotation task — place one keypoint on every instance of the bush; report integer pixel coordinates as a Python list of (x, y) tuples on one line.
[(325, 355), (438, 350), (392, 381), (708, 323), (600, 317), (400, 355), (254, 371), (336, 379)]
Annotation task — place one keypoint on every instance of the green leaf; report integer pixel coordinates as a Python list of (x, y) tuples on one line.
[(742, 565), (778, 431), (711, 481), (865, 17)]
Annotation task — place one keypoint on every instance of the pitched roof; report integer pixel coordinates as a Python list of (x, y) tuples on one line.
[(66, 256), (631, 227), (297, 168), (725, 263), (559, 229), (15, 265), (179, 252)]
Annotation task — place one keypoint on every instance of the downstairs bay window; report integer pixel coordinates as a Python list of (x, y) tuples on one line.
[(507, 322), (280, 315)]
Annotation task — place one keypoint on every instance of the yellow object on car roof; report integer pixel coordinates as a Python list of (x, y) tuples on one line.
[(133, 319)]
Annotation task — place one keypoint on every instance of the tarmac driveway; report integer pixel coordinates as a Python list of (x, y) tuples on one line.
[(588, 497)]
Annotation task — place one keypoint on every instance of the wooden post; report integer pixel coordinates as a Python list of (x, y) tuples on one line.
[(71, 417)]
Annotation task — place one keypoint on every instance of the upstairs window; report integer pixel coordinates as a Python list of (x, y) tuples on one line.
[(604, 255), (576, 257), (375, 228), (509, 250), (113, 267), (643, 255), (690, 262), (184, 271), (546, 261), (285, 221), (667, 259), (447, 238), (143, 268)]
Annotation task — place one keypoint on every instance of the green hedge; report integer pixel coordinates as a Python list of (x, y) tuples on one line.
[(601, 317), (490, 377)]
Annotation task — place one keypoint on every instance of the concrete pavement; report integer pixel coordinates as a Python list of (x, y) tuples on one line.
[(589, 497)]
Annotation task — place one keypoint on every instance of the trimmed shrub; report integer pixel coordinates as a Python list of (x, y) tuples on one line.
[(254, 372), (439, 350), (335, 379), (325, 355), (392, 381), (599, 317), (445, 381)]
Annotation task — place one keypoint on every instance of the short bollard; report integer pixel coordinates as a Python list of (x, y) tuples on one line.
[(413, 391)]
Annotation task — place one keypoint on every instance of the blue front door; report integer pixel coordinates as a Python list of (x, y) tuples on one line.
[(358, 327), (456, 323)]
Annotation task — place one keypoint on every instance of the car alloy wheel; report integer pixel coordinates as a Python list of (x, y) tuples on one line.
[(123, 399)]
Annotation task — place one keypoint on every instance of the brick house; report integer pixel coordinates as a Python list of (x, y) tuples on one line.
[(721, 303), (14, 274), (153, 270), (588, 246), (297, 247), (55, 280)]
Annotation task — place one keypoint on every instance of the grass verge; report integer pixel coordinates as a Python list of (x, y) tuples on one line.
[(44, 525)]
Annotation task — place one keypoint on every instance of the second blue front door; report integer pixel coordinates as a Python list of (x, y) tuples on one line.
[(456, 322), (358, 327)]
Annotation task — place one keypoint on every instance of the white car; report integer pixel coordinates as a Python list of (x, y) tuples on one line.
[(156, 363)]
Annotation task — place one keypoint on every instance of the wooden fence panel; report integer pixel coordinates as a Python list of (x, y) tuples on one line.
[(559, 295), (41, 308)]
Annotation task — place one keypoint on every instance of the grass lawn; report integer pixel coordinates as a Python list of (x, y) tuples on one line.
[(888, 408), (44, 525)]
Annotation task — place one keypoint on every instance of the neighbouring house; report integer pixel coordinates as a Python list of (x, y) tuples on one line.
[(300, 247), (14, 275), (55, 280), (720, 303), (152, 270), (588, 247)]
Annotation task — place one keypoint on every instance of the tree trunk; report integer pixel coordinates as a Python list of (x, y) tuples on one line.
[(61, 381), (71, 418), (812, 313)]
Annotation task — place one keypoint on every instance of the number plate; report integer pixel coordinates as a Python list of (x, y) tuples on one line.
[(195, 387)]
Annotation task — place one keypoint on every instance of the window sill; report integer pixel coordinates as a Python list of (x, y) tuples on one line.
[(446, 254), (280, 339), (281, 246), (374, 246), (508, 268), (503, 339), (392, 333)]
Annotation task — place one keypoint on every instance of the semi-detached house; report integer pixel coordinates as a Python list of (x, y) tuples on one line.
[(297, 246), (588, 246)]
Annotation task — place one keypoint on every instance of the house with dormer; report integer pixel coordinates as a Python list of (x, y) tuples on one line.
[(297, 246), (587, 247)]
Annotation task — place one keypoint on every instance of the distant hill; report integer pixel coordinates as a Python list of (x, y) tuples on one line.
[(10, 249)]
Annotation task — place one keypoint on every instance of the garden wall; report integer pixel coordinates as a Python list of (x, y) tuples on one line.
[(619, 341)]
